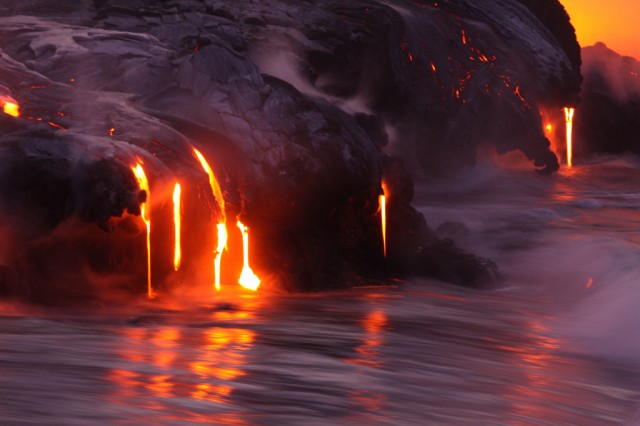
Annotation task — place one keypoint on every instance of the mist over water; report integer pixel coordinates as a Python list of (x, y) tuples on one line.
[(557, 344), (572, 238)]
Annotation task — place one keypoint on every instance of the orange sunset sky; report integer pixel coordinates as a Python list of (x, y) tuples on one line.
[(614, 22)]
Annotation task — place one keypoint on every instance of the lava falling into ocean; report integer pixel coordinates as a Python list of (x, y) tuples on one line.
[(568, 113), (177, 221), (222, 245), (383, 218), (248, 279), (221, 226), (295, 152), (299, 212), (145, 213)]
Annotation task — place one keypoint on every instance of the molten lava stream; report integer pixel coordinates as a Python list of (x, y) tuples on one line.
[(221, 226), (213, 183), (222, 244), (10, 107), (139, 173), (568, 115), (177, 226), (383, 220), (247, 279)]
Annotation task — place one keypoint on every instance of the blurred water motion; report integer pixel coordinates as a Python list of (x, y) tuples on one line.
[(403, 354)]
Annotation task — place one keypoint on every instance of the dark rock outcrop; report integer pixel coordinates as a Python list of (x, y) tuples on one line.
[(607, 118), (293, 102)]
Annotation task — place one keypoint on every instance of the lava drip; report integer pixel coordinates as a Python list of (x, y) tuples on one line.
[(248, 279), (568, 115), (145, 213), (177, 226), (383, 219), (222, 244), (221, 226)]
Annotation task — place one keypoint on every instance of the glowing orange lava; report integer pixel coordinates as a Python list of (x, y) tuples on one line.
[(222, 244), (568, 115), (383, 219), (177, 227), (213, 182), (247, 279), (139, 173), (221, 226), (10, 107), (549, 127)]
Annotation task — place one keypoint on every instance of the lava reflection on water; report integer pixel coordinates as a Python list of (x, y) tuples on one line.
[(177, 365)]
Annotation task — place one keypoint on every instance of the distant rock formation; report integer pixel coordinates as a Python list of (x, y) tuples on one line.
[(608, 118)]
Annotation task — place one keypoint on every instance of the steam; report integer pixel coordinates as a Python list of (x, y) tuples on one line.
[(619, 75), (605, 321), (284, 56)]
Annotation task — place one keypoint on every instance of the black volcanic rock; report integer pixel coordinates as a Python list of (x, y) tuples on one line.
[(555, 18), (293, 103), (607, 120)]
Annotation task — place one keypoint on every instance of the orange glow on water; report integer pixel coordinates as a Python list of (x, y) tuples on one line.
[(373, 324), (248, 279), (11, 107), (568, 114), (222, 244), (140, 175), (177, 226), (222, 362)]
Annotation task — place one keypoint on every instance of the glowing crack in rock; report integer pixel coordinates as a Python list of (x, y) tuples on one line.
[(568, 115), (248, 279), (177, 226), (145, 209), (10, 107)]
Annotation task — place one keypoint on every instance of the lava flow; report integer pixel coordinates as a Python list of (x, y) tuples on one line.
[(383, 219), (213, 182), (138, 171), (247, 279), (568, 115), (222, 244), (221, 226), (177, 227), (10, 107)]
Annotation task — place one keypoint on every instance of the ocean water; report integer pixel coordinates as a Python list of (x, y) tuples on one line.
[(557, 344)]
